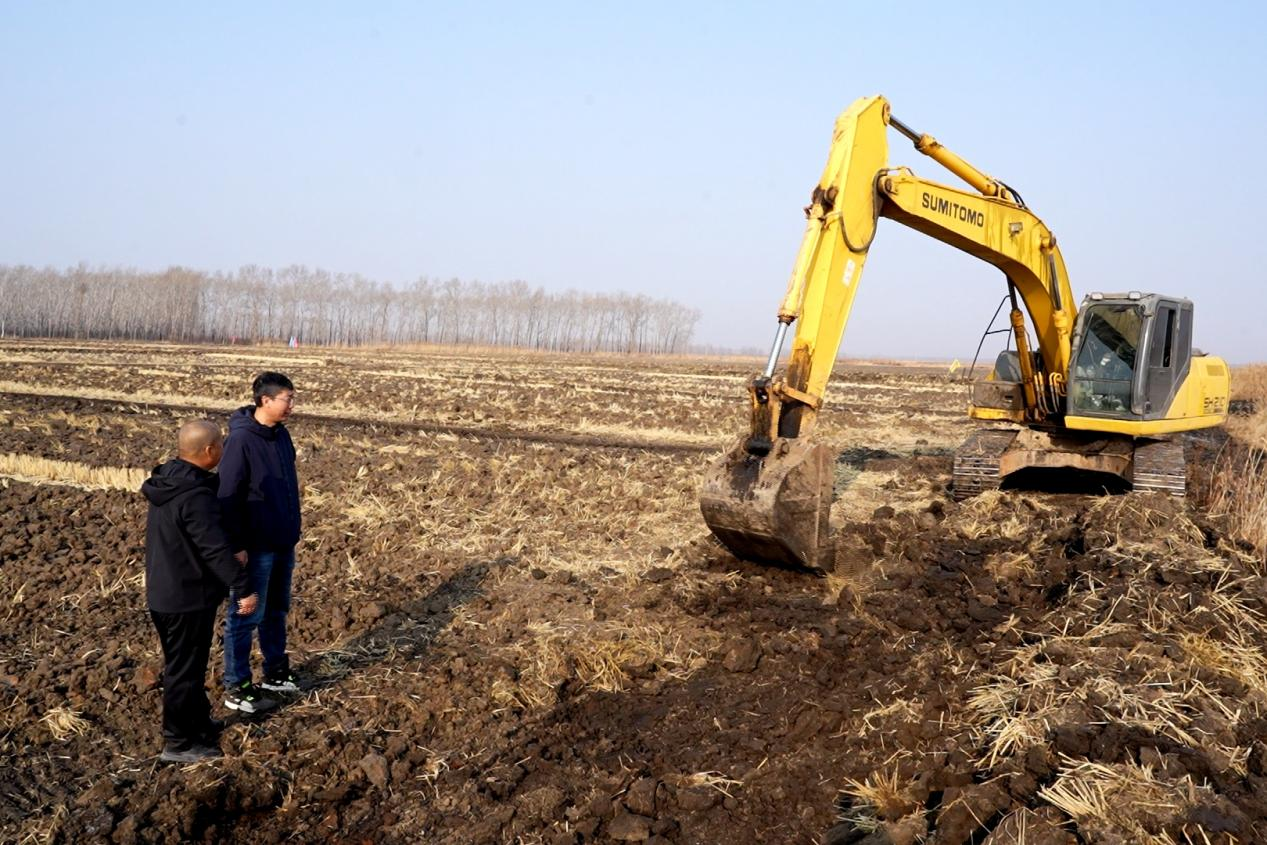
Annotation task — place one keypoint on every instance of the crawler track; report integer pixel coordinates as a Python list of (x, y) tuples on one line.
[(1160, 467), (976, 467)]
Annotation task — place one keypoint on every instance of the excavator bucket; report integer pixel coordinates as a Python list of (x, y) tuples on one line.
[(771, 508)]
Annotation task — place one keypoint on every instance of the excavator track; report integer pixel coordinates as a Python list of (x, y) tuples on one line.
[(1160, 467), (976, 467)]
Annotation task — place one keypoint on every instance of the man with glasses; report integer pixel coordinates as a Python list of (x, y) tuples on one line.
[(259, 495)]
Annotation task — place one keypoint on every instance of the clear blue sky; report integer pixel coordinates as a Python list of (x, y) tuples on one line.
[(645, 147)]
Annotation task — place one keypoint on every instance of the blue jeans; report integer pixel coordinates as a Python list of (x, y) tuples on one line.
[(270, 575)]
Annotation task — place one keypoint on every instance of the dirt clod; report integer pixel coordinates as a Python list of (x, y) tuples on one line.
[(696, 798), (1044, 826), (628, 827), (375, 768), (641, 798), (742, 656)]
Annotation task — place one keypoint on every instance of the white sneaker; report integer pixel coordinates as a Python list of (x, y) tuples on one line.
[(284, 682)]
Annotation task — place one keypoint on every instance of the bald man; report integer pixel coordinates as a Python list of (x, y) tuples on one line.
[(189, 569)]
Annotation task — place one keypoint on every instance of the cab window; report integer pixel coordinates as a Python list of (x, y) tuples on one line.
[(1105, 368)]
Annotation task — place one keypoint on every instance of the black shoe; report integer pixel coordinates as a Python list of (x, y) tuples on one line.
[(195, 753), (285, 681), (246, 698), (211, 732)]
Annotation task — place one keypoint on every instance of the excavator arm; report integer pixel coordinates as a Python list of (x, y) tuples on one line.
[(857, 188), (769, 497)]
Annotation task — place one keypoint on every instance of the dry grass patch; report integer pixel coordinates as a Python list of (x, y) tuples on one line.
[(649, 434), (1068, 681), (1014, 714), (115, 395), (70, 473), (1093, 794), (998, 514), (896, 431), (1238, 489), (1135, 643), (868, 490), (1011, 566), (63, 723), (1132, 641), (1143, 523), (599, 656), (1236, 659), (43, 830), (880, 796), (526, 504), (1250, 382), (860, 492), (91, 423)]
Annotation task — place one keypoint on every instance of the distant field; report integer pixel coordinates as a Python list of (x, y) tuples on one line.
[(520, 630)]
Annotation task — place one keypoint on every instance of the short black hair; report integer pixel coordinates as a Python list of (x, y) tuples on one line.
[(269, 384)]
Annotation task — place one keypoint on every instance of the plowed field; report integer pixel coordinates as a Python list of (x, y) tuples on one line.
[(517, 630)]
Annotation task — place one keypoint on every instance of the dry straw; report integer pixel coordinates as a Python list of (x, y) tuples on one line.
[(1094, 793), (880, 796), (1238, 477), (598, 655), (63, 723), (69, 473), (1238, 490)]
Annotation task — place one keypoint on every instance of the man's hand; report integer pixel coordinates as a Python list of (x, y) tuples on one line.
[(246, 606), (240, 557)]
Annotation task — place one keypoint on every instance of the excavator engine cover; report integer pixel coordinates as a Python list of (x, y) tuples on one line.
[(772, 508)]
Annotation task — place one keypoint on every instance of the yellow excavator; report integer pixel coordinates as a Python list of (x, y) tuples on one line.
[(1103, 388)]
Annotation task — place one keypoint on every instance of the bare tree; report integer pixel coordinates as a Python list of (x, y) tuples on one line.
[(314, 306)]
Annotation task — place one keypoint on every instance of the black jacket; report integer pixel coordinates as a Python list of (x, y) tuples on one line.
[(259, 490), (188, 563)]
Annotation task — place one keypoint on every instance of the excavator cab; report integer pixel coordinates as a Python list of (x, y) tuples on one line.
[(1133, 354), (1134, 381)]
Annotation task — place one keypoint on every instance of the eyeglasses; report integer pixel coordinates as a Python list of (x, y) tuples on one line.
[(287, 398)]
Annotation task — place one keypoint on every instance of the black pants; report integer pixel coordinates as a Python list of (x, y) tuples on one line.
[(186, 639)]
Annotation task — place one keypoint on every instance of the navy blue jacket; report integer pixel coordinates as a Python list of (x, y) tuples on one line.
[(259, 490), (188, 563)]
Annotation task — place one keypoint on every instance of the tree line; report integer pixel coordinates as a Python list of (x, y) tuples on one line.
[(313, 306)]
